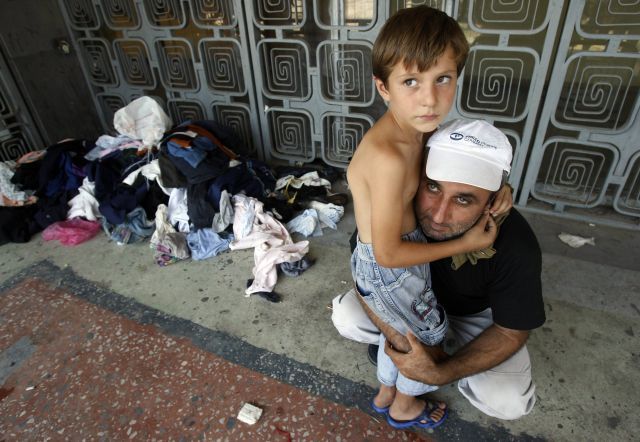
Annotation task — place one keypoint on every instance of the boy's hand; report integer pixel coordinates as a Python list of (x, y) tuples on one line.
[(503, 202), (481, 235)]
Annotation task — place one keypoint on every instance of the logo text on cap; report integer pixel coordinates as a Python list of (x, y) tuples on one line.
[(456, 136)]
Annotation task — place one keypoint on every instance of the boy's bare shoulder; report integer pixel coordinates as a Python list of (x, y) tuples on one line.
[(378, 144)]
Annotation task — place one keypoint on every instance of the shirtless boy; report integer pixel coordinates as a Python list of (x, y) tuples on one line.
[(417, 58)]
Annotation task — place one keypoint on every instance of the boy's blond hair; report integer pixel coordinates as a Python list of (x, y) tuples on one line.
[(417, 37)]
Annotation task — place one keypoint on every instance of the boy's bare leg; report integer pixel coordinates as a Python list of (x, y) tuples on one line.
[(385, 396)]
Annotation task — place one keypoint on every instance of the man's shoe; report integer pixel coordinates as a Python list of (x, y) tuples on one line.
[(372, 354)]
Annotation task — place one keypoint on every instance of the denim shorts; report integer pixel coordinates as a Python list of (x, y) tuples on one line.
[(401, 297)]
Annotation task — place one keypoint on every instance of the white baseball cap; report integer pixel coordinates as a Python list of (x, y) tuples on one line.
[(469, 152)]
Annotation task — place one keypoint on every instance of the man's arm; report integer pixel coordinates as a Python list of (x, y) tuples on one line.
[(397, 340), (430, 365)]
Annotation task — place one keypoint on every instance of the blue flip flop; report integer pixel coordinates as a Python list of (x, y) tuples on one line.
[(381, 410), (422, 421)]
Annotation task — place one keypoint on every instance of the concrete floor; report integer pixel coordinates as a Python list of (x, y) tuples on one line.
[(585, 358)]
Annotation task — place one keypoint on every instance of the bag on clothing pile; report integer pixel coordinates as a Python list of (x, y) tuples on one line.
[(71, 232)]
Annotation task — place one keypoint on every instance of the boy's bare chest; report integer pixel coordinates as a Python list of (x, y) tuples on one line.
[(410, 189), (412, 178)]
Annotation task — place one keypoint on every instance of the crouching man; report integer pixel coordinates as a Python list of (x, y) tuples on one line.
[(493, 297)]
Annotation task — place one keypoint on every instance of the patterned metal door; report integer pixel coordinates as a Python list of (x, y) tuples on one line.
[(585, 160), (190, 56), (294, 78), (313, 76)]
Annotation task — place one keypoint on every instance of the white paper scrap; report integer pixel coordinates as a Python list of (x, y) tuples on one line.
[(249, 414), (576, 241)]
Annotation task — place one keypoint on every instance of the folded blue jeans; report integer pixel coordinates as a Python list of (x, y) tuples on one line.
[(401, 297)]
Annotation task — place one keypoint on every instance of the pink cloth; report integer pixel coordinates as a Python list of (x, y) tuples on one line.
[(72, 231), (270, 238)]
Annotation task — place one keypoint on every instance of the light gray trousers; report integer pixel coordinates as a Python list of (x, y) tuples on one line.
[(506, 391)]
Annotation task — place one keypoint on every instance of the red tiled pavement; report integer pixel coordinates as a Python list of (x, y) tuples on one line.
[(95, 374)]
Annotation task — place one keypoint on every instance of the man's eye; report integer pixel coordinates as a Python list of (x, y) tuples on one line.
[(410, 82), (432, 187), (462, 201), (444, 79)]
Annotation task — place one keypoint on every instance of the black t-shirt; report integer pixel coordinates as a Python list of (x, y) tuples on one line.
[(509, 282)]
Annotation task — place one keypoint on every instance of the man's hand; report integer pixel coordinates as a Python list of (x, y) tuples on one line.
[(420, 363), (431, 365)]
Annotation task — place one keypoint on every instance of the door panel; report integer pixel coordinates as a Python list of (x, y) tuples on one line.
[(45, 73)]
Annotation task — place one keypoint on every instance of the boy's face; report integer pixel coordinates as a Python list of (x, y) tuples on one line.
[(421, 100)]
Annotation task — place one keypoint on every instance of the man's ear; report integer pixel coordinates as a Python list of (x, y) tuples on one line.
[(382, 89)]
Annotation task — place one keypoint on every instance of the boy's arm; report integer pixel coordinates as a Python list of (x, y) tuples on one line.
[(387, 179), (503, 201)]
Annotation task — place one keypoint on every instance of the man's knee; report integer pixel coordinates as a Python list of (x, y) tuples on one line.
[(504, 397), (351, 321)]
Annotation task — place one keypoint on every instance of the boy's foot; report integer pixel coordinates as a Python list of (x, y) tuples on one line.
[(381, 410), (383, 400), (432, 416), (372, 354)]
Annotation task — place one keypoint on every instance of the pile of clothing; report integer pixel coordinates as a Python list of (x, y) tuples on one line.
[(190, 190)]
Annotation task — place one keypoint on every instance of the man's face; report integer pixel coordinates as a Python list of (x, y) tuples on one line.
[(446, 210)]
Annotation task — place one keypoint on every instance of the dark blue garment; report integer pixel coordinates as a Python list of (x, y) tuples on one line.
[(213, 165), (62, 167), (122, 200), (108, 172), (59, 176), (70, 177), (171, 176), (263, 174), (252, 177), (26, 175), (75, 171), (199, 207), (233, 180), (153, 198), (105, 174), (52, 209)]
